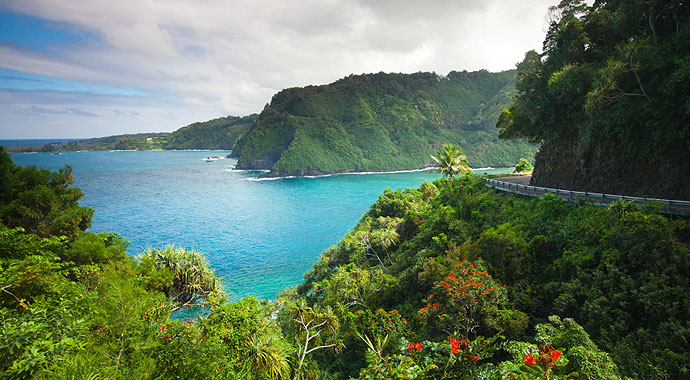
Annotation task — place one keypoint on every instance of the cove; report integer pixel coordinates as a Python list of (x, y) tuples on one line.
[(259, 236)]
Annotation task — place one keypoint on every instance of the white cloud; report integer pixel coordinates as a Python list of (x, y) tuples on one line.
[(219, 57)]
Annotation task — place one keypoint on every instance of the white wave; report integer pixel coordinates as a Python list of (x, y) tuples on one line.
[(329, 174)]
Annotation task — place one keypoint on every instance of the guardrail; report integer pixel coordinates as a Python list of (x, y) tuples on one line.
[(669, 206)]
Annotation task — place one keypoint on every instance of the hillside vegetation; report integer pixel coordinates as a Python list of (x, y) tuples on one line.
[(609, 98), (452, 280), (220, 133), (380, 122)]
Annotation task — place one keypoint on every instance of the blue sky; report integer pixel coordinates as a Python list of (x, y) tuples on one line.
[(73, 69)]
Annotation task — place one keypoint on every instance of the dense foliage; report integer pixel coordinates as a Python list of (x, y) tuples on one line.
[(74, 305), (609, 98), (523, 166), (220, 133), (382, 122), (40, 201), (460, 261), (452, 280)]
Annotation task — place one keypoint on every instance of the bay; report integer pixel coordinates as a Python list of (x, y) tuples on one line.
[(260, 236)]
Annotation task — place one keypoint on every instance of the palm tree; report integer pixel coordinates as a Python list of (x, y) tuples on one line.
[(451, 161)]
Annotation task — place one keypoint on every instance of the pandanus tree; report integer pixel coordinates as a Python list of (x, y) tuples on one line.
[(450, 161), (193, 281)]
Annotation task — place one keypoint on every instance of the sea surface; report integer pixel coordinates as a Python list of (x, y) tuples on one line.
[(260, 236)]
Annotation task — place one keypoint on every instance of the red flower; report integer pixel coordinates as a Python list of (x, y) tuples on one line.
[(555, 354), (168, 336), (410, 347), (529, 360), (474, 358), (162, 327), (418, 346), (454, 345)]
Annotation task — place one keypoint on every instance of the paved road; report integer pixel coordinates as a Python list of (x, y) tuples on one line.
[(520, 185), (522, 180)]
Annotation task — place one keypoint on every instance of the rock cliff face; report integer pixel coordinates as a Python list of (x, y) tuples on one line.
[(588, 167)]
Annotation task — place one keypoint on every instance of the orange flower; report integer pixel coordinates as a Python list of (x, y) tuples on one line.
[(454, 346), (162, 327), (555, 354), (529, 360)]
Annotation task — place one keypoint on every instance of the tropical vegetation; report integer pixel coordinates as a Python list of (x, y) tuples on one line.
[(451, 280), (380, 122), (450, 161), (220, 133), (523, 166), (609, 98)]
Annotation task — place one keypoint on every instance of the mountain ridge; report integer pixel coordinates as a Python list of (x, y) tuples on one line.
[(381, 122)]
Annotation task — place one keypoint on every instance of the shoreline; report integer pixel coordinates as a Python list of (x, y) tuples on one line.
[(278, 177)]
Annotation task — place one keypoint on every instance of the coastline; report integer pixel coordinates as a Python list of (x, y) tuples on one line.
[(268, 176)]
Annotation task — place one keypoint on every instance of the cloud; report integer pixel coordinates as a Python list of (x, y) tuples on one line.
[(36, 110), (220, 57)]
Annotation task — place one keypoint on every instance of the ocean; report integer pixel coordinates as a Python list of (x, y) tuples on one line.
[(260, 236)]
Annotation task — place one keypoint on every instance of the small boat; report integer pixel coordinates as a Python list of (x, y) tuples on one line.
[(213, 158)]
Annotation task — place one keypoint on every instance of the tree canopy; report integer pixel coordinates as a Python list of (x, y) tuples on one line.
[(612, 89)]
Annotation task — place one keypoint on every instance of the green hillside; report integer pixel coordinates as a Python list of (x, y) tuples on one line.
[(220, 133), (382, 122)]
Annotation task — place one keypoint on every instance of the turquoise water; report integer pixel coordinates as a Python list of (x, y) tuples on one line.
[(260, 236)]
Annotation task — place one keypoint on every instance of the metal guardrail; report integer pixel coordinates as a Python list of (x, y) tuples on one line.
[(669, 206)]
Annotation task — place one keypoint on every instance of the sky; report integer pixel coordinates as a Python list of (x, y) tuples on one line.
[(91, 68)]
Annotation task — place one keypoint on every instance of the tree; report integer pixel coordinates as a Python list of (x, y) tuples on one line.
[(451, 161), (461, 300), (311, 328), (41, 201), (523, 166), (193, 283)]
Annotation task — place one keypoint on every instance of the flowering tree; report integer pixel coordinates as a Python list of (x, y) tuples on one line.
[(547, 358), (461, 299)]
